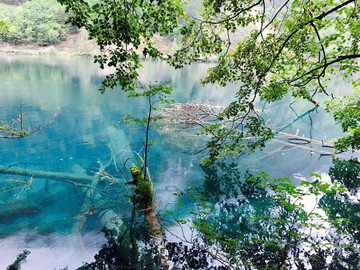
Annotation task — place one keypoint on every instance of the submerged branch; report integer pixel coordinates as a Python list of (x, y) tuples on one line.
[(189, 114), (11, 132)]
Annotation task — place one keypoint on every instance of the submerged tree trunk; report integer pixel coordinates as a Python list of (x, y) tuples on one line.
[(144, 190), (91, 196), (57, 176)]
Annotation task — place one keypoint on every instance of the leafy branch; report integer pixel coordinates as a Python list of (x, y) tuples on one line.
[(153, 94)]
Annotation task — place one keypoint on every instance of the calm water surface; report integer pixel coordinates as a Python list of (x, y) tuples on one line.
[(57, 219)]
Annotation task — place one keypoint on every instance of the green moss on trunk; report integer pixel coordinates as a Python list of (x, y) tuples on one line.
[(143, 187)]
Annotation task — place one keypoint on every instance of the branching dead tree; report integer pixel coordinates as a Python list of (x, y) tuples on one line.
[(15, 129)]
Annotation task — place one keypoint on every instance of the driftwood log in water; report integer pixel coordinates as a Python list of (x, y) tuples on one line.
[(145, 192)]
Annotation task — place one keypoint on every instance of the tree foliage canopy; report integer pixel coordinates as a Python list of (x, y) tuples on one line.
[(294, 48), (122, 29)]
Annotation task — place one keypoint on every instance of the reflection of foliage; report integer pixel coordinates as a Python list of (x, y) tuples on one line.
[(186, 257), (346, 205), (261, 222), (121, 251), (252, 222), (347, 173), (19, 260)]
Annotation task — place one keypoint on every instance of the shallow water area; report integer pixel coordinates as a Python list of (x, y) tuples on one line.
[(51, 251)]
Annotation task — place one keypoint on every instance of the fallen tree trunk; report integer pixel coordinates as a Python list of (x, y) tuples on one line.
[(321, 152), (92, 197), (57, 176), (290, 136)]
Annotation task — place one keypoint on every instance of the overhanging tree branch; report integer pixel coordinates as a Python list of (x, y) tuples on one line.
[(337, 60), (230, 17)]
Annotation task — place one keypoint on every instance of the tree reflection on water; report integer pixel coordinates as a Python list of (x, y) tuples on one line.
[(255, 226)]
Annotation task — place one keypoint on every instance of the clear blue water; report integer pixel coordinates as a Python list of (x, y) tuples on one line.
[(54, 219)]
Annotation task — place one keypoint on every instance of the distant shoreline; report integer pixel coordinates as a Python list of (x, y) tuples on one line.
[(25, 52), (75, 44), (49, 51), (79, 45)]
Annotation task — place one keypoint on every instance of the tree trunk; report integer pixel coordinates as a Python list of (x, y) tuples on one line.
[(144, 190)]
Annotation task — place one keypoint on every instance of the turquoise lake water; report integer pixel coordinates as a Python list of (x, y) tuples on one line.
[(56, 220)]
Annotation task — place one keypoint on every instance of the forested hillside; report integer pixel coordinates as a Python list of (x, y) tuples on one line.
[(40, 22)]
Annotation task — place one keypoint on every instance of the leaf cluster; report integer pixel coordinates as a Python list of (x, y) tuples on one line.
[(346, 111), (122, 30), (11, 131)]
